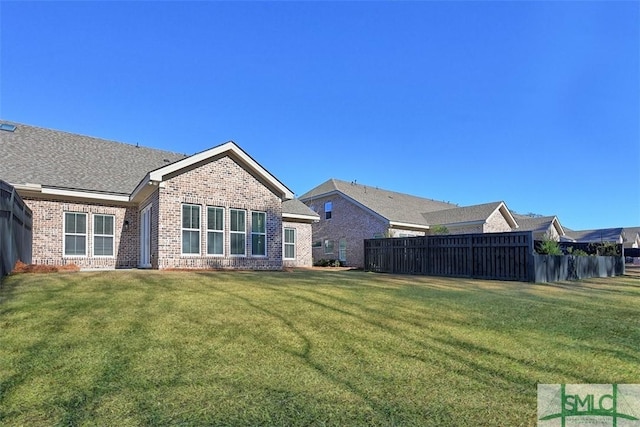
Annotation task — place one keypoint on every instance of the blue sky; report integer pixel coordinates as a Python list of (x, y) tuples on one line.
[(534, 103)]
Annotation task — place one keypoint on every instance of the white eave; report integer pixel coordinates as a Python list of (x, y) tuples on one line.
[(69, 193), (300, 217), (408, 226), (159, 175)]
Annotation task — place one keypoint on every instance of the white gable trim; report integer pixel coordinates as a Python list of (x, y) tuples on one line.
[(159, 175)]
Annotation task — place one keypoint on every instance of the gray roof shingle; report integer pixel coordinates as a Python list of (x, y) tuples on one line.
[(393, 206), (296, 207), (64, 160), (461, 214)]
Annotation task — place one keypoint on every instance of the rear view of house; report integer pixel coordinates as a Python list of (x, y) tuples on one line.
[(105, 204)]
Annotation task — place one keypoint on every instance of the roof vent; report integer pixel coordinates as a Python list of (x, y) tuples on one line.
[(7, 127)]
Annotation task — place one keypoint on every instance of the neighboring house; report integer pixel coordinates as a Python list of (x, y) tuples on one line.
[(105, 204), (351, 212), (604, 235), (541, 226), (632, 235)]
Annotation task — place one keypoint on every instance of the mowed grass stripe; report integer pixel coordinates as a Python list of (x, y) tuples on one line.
[(303, 348)]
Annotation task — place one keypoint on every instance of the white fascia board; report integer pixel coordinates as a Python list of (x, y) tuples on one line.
[(508, 216), (84, 194), (300, 216), (159, 174), (406, 225)]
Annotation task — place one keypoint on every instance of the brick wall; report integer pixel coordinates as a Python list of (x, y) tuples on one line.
[(348, 221), (304, 257), (48, 233), (496, 223), (222, 183)]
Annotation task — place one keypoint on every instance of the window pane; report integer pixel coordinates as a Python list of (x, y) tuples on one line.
[(258, 222), (186, 216), (74, 245), (237, 244), (103, 246), (195, 217), (81, 223), (214, 219), (69, 223), (190, 242), (237, 220), (289, 251), (98, 224), (289, 235), (108, 225), (258, 244), (215, 243)]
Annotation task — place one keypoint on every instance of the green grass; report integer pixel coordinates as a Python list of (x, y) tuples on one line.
[(303, 348)]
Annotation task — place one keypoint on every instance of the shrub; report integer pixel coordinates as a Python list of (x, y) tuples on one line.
[(548, 246)]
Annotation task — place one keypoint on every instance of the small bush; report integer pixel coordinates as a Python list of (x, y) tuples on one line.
[(548, 247)]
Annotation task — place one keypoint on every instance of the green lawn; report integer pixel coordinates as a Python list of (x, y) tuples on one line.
[(339, 348)]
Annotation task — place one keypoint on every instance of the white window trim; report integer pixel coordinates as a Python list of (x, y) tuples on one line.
[(216, 231), (259, 234), (285, 243), (182, 229), (330, 211), (244, 233), (94, 235), (65, 234)]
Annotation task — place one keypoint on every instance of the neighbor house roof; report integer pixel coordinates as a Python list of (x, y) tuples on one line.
[(632, 235), (467, 215), (595, 236), (404, 209), (539, 224), (395, 207), (61, 163)]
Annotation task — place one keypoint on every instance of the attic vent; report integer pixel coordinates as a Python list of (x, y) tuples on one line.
[(7, 127), (166, 160)]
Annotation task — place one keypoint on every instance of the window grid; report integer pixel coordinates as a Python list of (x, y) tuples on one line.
[(258, 234), (237, 232), (289, 243), (215, 231), (190, 229), (103, 235), (75, 234)]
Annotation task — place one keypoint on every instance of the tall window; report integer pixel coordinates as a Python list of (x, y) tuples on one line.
[(215, 231), (328, 246), (258, 233), (328, 207), (289, 243), (103, 232), (237, 232), (190, 229), (75, 234)]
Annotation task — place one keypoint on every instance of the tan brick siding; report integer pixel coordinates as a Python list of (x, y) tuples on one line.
[(348, 221), (48, 233), (496, 223), (304, 257), (222, 183)]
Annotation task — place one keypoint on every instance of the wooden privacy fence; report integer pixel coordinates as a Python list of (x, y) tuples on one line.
[(502, 256), (15, 229)]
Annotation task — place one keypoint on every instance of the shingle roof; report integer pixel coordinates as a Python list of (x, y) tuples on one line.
[(630, 233), (461, 214), (540, 224), (601, 235), (393, 206), (296, 207), (64, 160)]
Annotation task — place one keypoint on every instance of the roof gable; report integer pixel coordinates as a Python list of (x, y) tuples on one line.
[(469, 214), (395, 207)]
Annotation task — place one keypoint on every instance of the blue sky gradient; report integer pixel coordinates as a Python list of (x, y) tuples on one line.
[(534, 103)]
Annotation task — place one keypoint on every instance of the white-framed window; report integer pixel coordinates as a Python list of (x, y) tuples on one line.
[(103, 235), (237, 232), (342, 249), (215, 231), (328, 208), (75, 234), (328, 246), (190, 229), (258, 234), (289, 243)]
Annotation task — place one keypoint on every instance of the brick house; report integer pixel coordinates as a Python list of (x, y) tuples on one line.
[(105, 204), (351, 212), (541, 226)]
